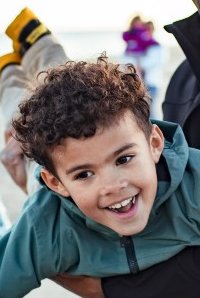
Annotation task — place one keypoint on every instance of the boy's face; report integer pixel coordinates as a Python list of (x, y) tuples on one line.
[(110, 176)]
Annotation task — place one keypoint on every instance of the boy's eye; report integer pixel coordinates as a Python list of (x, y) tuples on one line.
[(83, 175), (124, 159)]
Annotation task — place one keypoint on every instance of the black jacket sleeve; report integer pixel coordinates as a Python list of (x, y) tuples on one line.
[(182, 99)]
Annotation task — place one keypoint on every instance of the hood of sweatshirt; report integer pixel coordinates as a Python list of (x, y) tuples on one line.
[(174, 220), (171, 167)]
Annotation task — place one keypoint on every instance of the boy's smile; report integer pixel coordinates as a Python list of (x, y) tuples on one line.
[(110, 176)]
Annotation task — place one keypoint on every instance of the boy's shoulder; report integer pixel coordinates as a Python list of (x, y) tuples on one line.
[(43, 203), (46, 206)]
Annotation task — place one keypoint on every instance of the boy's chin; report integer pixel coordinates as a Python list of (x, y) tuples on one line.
[(132, 230)]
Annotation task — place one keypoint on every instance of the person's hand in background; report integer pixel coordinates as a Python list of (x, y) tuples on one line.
[(13, 160)]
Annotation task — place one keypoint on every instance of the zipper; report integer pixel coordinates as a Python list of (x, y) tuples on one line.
[(127, 243)]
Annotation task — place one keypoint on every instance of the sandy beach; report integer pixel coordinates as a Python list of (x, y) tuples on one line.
[(14, 198)]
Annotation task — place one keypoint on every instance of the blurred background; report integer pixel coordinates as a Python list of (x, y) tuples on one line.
[(85, 29), (89, 27)]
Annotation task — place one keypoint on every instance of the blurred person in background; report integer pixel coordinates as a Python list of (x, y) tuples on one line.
[(147, 55), (152, 64), (136, 42)]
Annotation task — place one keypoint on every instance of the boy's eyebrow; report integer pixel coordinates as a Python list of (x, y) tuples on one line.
[(76, 168), (86, 166), (123, 148)]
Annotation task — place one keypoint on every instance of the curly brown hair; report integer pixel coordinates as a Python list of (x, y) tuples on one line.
[(75, 100)]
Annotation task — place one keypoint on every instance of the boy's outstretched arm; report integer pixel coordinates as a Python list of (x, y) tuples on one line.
[(26, 251), (84, 286)]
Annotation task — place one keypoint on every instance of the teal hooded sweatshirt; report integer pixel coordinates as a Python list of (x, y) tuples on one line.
[(53, 236)]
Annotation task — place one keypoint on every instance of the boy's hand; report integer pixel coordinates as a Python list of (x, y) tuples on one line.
[(13, 160), (86, 287)]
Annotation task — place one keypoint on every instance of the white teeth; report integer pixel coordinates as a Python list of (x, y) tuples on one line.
[(123, 203)]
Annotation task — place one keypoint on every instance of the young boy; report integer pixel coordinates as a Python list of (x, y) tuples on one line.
[(88, 126), (101, 211)]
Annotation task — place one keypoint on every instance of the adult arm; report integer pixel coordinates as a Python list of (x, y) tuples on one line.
[(84, 286)]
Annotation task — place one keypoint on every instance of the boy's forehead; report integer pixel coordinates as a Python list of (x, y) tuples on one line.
[(118, 132)]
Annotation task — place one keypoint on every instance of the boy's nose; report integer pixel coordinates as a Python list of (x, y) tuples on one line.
[(113, 187)]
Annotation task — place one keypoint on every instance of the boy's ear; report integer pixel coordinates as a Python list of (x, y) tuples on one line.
[(156, 142), (53, 183)]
